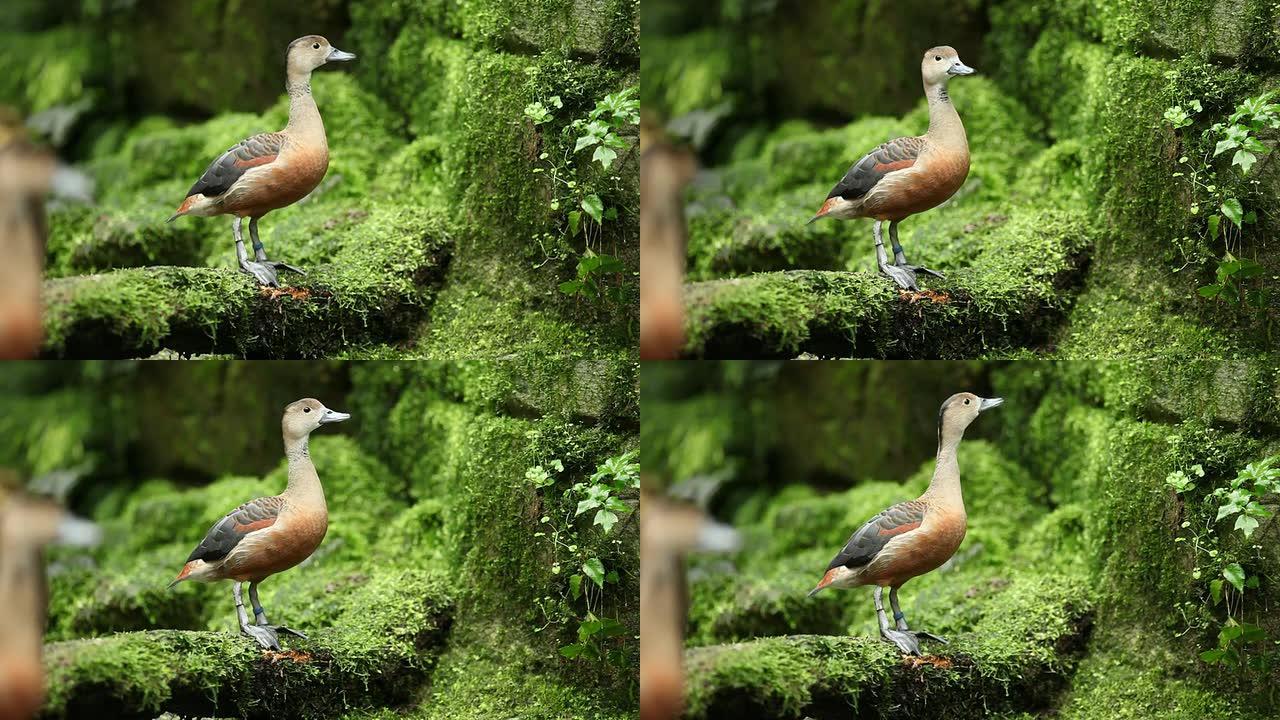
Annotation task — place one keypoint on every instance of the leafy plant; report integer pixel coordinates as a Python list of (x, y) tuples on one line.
[(1224, 572), (1235, 281), (580, 192), (580, 600)]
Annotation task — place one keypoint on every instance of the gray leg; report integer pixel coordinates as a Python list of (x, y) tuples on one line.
[(900, 258), (262, 272), (259, 252), (898, 617), (903, 277), (906, 642), (264, 636), (902, 620), (260, 615)]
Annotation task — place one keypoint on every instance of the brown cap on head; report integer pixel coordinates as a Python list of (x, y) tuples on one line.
[(940, 63)]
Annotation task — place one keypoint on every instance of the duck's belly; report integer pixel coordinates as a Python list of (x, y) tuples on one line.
[(279, 184), (925, 186), (276, 548)]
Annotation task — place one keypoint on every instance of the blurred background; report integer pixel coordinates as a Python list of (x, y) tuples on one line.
[(1091, 197), (1088, 585), (457, 578)]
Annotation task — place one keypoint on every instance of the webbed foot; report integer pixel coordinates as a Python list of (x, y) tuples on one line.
[(264, 635), (283, 629), (921, 269), (922, 635), (265, 271), (905, 641), (904, 277)]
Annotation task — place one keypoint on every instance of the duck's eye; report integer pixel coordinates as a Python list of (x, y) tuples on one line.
[(938, 58), (966, 401), (317, 47), (309, 409)]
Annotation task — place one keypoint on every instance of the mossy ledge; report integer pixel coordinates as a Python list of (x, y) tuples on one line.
[(365, 659), (139, 311), (841, 313), (1018, 661)]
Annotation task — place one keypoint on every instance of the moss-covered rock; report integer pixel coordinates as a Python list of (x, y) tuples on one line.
[(1024, 645), (383, 639)]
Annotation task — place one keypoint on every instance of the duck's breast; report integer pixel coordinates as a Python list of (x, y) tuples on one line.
[(917, 552)]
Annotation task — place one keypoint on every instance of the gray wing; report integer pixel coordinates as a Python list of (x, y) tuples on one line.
[(897, 154), (871, 538), (230, 530), (231, 165)]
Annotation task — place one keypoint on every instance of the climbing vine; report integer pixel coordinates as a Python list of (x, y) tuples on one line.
[(579, 191), (1237, 279), (1222, 559), (579, 600)]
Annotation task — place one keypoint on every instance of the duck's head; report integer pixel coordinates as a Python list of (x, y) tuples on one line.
[(311, 51), (305, 415), (961, 409), (940, 64)]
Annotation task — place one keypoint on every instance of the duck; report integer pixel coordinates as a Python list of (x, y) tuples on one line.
[(272, 170), (669, 530), (269, 535), (913, 537), (908, 175), (28, 524)]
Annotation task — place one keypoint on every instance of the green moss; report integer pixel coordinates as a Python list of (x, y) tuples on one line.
[(1025, 641), (384, 636), (48, 69)]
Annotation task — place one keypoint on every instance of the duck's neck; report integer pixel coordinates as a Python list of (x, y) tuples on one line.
[(944, 488), (304, 488), (304, 116), (945, 128)]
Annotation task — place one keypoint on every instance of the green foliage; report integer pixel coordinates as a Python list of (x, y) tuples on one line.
[(577, 190), (1221, 559), (1237, 279), (599, 638)]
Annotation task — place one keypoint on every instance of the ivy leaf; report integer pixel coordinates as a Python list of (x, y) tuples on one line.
[(1234, 575), (1245, 160), (575, 223), (1215, 589), (595, 208), (605, 155), (1210, 291), (575, 585), (1234, 212), (1214, 221), (571, 651), (1209, 656), (594, 569), (607, 520), (586, 141), (1246, 524)]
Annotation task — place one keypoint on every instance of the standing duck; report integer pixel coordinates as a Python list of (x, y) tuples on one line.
[(914, 537), (271, 534), (269, 171), (908, 175)]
